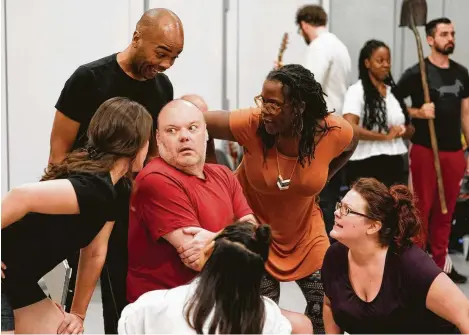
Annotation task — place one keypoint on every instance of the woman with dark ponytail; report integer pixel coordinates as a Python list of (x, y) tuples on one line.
[(375, 279), (224, 299), (379, 118)]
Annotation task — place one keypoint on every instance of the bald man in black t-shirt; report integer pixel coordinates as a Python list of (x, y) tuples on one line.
[(135, 73)]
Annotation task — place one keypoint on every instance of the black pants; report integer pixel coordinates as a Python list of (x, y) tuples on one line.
[(328, 197), (387, 169), (114, 275), (313, 291)]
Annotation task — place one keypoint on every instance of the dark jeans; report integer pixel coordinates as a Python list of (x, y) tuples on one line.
[(328, 197), (8, 318)]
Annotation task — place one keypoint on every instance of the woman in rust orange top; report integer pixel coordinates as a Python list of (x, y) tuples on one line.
[(292, 147)]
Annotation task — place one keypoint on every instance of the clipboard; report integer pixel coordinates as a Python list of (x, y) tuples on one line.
[(57, 282)]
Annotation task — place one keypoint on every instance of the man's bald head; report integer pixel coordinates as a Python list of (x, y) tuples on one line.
[(179, 111), (157, 42), (159, 19), (182, 136), (197, 100)]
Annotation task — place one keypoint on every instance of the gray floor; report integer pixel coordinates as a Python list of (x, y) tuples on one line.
[(291, 299)]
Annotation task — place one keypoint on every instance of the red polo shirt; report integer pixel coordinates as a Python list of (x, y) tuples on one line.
[(165, 199)]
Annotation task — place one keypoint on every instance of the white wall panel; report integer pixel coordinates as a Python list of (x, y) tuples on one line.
[(4, 133), (262, 24), (47, 40), (199, 67)]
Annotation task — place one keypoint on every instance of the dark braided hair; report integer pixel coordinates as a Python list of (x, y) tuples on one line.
[(375, 106), (306, 98)]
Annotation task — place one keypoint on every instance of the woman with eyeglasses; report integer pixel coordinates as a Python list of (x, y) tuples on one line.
[(376, 280), (292, 147), (380, 119)]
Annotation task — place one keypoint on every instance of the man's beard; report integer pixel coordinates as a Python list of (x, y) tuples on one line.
[(446, 50), (306, 37), (136, 66)]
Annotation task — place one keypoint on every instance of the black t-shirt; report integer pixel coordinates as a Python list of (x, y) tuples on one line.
[(92, 84), (34, 245), (88, 87), (399, 307), (447, 88)]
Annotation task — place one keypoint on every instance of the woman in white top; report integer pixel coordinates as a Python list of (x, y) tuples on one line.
[(379, 117), (225, 298)]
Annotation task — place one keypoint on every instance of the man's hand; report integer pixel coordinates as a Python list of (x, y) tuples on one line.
[(72, 324), (427, 111), (190, 252)]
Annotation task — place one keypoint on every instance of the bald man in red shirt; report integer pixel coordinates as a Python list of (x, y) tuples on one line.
[(179, 203)]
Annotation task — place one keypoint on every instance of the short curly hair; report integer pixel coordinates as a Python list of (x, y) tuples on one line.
[(312, 14)]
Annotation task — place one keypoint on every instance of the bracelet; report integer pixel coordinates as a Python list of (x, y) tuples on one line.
[(82, 317)]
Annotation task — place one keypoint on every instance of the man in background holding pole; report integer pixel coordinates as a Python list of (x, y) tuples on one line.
[(449, 92)]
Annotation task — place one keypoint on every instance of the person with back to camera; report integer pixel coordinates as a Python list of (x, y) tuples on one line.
[(225, 298), (72, 209), (376, 280)]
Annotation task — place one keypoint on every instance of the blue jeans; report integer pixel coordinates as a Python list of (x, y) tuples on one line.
[(8, 319)]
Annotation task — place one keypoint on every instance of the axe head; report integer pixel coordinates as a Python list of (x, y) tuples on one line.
[(416, 9)]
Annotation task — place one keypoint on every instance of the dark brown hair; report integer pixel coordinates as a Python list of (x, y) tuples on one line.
[(430, 27), (119, 128), (395, 208), (230, 282), (312, 14)]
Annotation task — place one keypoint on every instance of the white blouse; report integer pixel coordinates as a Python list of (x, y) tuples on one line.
[(162, 312), (355, 104)]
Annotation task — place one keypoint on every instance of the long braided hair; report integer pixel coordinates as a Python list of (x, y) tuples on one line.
[(375, 106), (306, 97)]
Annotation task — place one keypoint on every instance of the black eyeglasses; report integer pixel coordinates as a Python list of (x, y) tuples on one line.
[(344, 210)]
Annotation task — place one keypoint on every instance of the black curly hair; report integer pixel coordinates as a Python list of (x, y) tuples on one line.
[(306, 97), (375, 106)]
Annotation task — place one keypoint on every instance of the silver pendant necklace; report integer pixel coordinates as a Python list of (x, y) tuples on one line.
[(281, 183)]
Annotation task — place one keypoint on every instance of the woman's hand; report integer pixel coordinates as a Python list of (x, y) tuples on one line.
[(394, 132), (72, 324)]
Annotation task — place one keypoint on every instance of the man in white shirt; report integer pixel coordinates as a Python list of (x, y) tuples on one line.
[(329, 60), (327, 57)]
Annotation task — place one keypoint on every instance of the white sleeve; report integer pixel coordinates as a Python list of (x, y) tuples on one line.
[(141, 317), (353, 102), (318, 62), (275, 322)]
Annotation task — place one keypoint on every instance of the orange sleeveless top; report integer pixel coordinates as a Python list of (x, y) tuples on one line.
[(298, 231)]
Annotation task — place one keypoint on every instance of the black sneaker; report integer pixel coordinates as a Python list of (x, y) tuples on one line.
[(457, 277)]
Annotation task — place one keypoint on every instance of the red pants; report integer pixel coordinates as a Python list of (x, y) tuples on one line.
[(436, 224)]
